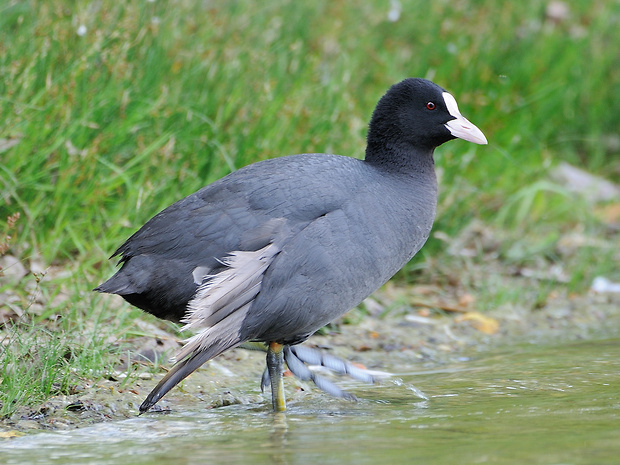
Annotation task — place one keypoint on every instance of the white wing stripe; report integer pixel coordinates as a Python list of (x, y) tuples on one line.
[(230, 289)]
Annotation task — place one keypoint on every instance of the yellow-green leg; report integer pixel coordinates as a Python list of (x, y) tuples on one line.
[(275, 365)]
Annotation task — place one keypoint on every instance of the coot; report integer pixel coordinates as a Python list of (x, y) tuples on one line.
[(278, 249)]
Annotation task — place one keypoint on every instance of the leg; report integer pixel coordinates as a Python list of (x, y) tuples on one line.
[(275, 365), (296, 357)]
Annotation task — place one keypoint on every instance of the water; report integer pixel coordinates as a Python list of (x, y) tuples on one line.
[(526, 405)]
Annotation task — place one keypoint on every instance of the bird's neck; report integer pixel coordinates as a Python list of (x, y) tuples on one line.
[(401, 158)]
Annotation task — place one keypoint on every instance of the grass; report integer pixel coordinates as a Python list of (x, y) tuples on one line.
[(156, 99), (77, 344)]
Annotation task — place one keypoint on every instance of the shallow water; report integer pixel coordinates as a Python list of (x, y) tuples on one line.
[(527, 404)]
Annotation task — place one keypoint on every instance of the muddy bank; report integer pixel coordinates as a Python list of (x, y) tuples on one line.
[(397, 327)]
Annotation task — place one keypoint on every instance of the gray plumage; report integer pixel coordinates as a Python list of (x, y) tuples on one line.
[(278, 249)]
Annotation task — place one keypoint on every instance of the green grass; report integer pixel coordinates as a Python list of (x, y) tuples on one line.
[(61, 347), (157, 99)]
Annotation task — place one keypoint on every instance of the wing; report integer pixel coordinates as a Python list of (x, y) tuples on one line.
[(165, 261)]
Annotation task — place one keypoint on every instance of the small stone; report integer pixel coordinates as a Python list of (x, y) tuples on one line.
[(28, 424), (12, 269)]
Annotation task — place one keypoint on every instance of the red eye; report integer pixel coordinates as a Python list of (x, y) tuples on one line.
[(430, 105)]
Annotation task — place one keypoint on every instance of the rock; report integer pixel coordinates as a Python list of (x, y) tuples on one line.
[(12, 269), (593, 188)]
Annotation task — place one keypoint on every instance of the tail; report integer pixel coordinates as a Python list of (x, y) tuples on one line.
[(135, 276), (183, 369), (114, 285)]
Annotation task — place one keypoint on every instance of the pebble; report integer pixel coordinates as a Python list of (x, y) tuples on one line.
[(12, 269), (27, 424)]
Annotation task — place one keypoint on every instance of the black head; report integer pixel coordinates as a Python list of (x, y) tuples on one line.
[(417, 115)]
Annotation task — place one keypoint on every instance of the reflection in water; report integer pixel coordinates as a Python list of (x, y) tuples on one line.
[(279, 430), (530, 404)]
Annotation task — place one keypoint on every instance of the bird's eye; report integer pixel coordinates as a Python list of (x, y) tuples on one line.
[(430, 105)]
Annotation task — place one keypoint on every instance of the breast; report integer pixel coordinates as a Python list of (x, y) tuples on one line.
[(339, 259)]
